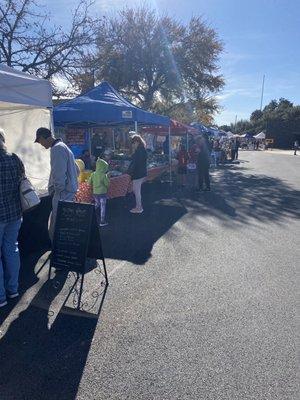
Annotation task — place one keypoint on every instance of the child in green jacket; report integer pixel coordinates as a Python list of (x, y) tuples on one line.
[(100, 182)]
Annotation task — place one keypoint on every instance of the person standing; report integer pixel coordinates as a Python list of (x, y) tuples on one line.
[(216, 149), (192, 167), (11, 173), (98, 145), (237, 145), (232, 150), (138, 170), (166, 146), (203, 163), (63, 181), (182, 157), (100, 182), (86, 158), (296, 147)]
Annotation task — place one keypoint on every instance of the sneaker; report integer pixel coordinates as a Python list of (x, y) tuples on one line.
[(137, 211), (3, 303), (103, 224), (13, 295)]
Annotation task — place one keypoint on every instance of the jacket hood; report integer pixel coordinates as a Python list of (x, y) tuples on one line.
[(101, 166)]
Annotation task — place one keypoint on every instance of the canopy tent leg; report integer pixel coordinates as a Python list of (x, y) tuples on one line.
[(90, 140), (51, 127), (170, 155), (114, 141), (136, 126)]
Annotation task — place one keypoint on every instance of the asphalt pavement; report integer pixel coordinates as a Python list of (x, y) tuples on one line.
[(201, 302)]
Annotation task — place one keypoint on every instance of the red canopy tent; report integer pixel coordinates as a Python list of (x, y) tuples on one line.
[(176, 129)]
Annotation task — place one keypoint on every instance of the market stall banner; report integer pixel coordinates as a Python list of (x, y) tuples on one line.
[(176, 129)]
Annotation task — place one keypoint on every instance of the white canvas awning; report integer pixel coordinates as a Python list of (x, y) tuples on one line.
[(260, 135), (26, 105)]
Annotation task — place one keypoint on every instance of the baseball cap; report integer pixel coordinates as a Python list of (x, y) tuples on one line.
[(42, 132)]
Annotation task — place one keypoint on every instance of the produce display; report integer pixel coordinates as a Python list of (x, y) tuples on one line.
[(157, 160), (119, 163), (120, 181)]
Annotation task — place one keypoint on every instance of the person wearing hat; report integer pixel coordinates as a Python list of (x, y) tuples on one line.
[(11, 172), (63, 182)]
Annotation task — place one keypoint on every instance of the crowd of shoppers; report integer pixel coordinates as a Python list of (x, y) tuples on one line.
[(194, 164)]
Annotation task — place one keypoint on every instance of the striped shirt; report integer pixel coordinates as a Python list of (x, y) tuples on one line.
[(10, 176)]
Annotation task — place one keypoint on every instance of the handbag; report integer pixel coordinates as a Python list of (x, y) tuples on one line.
[(28, 196)]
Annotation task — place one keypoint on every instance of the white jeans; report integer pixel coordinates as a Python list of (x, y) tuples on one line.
[(136, 186), (65, 196)]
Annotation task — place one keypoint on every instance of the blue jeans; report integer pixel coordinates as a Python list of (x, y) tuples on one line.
[(100, 206), (9, 258)]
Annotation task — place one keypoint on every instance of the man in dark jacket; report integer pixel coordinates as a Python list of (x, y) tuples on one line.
[(138, 171), (203, 164), (98, 145)]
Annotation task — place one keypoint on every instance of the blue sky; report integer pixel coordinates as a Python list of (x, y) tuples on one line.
[(259, 36)]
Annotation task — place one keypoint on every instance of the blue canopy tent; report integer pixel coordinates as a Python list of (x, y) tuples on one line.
[(201, 128), (206, 130), (103, 106)]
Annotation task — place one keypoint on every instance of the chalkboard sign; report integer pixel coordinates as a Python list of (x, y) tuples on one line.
[(76, 236)]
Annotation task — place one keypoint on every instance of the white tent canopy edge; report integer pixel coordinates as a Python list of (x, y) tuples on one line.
[(25, 105)]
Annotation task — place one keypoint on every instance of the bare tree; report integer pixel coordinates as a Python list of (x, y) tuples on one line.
[(28, 40)]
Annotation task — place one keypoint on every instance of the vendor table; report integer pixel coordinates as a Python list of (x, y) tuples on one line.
[(119, 185), (154, 173)]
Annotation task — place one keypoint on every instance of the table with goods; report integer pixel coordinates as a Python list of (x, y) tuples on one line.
[(120, 181)]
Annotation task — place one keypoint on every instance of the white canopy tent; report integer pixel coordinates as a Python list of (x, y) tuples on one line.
[(25, 105), (260, 135)]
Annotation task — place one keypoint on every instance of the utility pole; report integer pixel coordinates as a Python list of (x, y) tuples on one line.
[(262, 92)]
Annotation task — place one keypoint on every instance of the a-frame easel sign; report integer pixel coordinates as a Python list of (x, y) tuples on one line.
[(76, 238)]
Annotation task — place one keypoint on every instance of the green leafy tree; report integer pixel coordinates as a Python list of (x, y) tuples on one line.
[(158, 62), (256, 116), (280, 119), (271, 106), (225, 128)]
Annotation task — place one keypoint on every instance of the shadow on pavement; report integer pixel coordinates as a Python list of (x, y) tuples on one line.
[(39, 362), (242, 198), (43, 362), (131, 237)]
